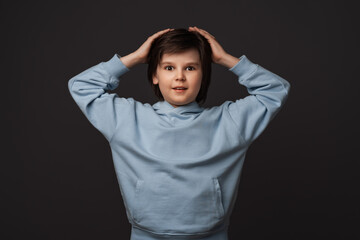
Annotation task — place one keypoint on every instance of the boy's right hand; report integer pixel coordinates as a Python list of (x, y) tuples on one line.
[(140, 55)]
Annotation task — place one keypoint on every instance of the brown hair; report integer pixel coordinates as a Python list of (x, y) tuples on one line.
[(177, 41)]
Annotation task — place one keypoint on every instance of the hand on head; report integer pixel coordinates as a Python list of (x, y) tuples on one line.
[(218, 53), (144, 49)]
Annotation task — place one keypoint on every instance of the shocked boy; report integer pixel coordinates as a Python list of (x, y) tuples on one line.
[(178, 164)]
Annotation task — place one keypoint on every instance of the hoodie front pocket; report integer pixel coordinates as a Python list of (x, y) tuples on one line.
[(165, 204)]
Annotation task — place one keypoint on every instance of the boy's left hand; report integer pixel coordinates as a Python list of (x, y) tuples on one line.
[(219, 55)]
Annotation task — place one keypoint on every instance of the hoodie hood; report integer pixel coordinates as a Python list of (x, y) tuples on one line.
[(164, 107), (178, 116)]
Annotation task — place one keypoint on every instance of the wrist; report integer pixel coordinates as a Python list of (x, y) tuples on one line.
[(130, 60), (229, 61)]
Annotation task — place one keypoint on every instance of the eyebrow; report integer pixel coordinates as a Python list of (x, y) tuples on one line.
[(189, 63)]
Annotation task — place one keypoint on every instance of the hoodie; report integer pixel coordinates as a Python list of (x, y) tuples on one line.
[(178, 169)]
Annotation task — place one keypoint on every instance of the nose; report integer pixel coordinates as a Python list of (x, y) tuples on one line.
[(180, 75)]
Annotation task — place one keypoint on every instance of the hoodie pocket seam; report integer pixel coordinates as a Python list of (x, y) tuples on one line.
[(139, 183), (218, 199)]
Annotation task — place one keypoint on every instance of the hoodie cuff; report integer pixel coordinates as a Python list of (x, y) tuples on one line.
[(243, 68), (115, 66)]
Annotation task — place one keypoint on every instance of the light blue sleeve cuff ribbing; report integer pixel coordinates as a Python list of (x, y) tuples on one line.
[(115, 66), (243, 68)]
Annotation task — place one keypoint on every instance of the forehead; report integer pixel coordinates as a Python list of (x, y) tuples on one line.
[(191, 55)]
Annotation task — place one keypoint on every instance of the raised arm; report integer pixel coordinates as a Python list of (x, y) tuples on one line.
[(268, 91), (89, 89)]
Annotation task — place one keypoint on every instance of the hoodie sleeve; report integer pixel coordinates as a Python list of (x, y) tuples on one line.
[(88, 89), (268, 93)]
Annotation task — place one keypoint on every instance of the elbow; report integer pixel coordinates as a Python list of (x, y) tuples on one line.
[(284, 93), (287, 89), (281, 97), (287, 86), (71, 84), (74, 86)]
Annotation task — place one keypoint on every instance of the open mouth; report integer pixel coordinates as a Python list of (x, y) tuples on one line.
[(179, 89)]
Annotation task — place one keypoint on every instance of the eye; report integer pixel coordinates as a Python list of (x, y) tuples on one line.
[(167, 67), (191, 68)]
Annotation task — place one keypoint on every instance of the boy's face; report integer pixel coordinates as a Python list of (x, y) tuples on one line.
[(179, 70)]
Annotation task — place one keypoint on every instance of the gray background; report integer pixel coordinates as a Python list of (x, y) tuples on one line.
[(301, 176)]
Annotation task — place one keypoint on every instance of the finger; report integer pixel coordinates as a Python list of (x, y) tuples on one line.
[(161, 32), (202, 32), (194, 29)]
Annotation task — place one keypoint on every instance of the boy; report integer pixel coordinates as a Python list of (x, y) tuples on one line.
[(178, 164)]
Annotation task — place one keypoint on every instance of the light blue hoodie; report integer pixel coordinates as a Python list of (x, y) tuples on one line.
[(178, 168)]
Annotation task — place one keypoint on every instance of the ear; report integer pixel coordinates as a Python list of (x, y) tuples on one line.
[(155, 80)]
